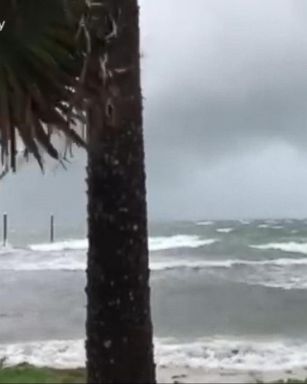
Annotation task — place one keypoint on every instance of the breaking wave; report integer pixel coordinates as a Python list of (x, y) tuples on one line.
[(291, 246), (178, 241), (198, 264), (60, 246), (205, 223), (224, 230), (206, 353), (76, 260), (155, 243)]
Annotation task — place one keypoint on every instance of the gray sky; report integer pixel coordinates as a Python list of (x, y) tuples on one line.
[(225, 83), (226, 96)]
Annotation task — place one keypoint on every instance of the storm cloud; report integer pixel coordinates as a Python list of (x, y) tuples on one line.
[(226, 89), (225, 96)]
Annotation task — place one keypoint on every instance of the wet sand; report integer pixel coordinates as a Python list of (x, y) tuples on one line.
[(203, 375)]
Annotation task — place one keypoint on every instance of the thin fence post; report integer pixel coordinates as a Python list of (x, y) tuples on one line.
[(4, 229), (52, 229)]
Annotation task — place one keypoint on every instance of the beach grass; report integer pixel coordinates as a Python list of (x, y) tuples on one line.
[(26, 374)]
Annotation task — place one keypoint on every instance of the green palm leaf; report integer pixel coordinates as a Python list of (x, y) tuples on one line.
[(39, 67)]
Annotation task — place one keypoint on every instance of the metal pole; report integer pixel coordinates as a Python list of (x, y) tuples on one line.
[(52, 229), (4, 229)]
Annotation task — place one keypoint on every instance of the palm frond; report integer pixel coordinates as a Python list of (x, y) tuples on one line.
[(39, 68)]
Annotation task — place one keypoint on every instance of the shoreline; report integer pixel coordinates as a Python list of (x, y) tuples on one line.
[(172, 375), (174, 363), (218, 375)]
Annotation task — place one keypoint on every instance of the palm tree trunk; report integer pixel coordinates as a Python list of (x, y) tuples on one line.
[(119, 328)]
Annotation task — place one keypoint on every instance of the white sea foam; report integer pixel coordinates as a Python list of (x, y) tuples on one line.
[(22, 260), (224, 230), (206, 353), (205, 223), (168, 264), (286, 247), (60, 246), (8, 248), (239, 355), (286, 283), (284, 274), (74, 260), (270, 226), (199, 264), (178, 241), (71, 255), (155, 243), (55, 354)]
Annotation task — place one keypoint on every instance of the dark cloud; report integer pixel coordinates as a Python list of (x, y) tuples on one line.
[(225, 68), (224, 82), (225, 86)]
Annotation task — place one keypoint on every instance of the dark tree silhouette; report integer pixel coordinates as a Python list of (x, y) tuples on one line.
[(119, 329), (43, 73)]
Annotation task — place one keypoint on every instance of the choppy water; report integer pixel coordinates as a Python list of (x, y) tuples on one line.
[(224, 294)]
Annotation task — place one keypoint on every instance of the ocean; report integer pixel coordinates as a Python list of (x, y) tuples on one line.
[(225, 294)]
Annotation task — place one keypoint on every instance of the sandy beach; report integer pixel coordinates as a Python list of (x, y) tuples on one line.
[(171, 375), (70, 355), (203, 375)]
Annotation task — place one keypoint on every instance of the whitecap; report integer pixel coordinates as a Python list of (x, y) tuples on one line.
[(205, 223), (214, 353), (60, 246), (178, 241), (286, 247), (224, 230), (155, 243)]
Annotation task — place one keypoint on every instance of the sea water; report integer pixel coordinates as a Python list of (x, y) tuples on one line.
[(225, 294)]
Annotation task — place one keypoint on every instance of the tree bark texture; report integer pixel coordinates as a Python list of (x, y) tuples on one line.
[(119, 342)]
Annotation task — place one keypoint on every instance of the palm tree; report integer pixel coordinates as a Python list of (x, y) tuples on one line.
[(119, 329), (39, 64), (39, 70)]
